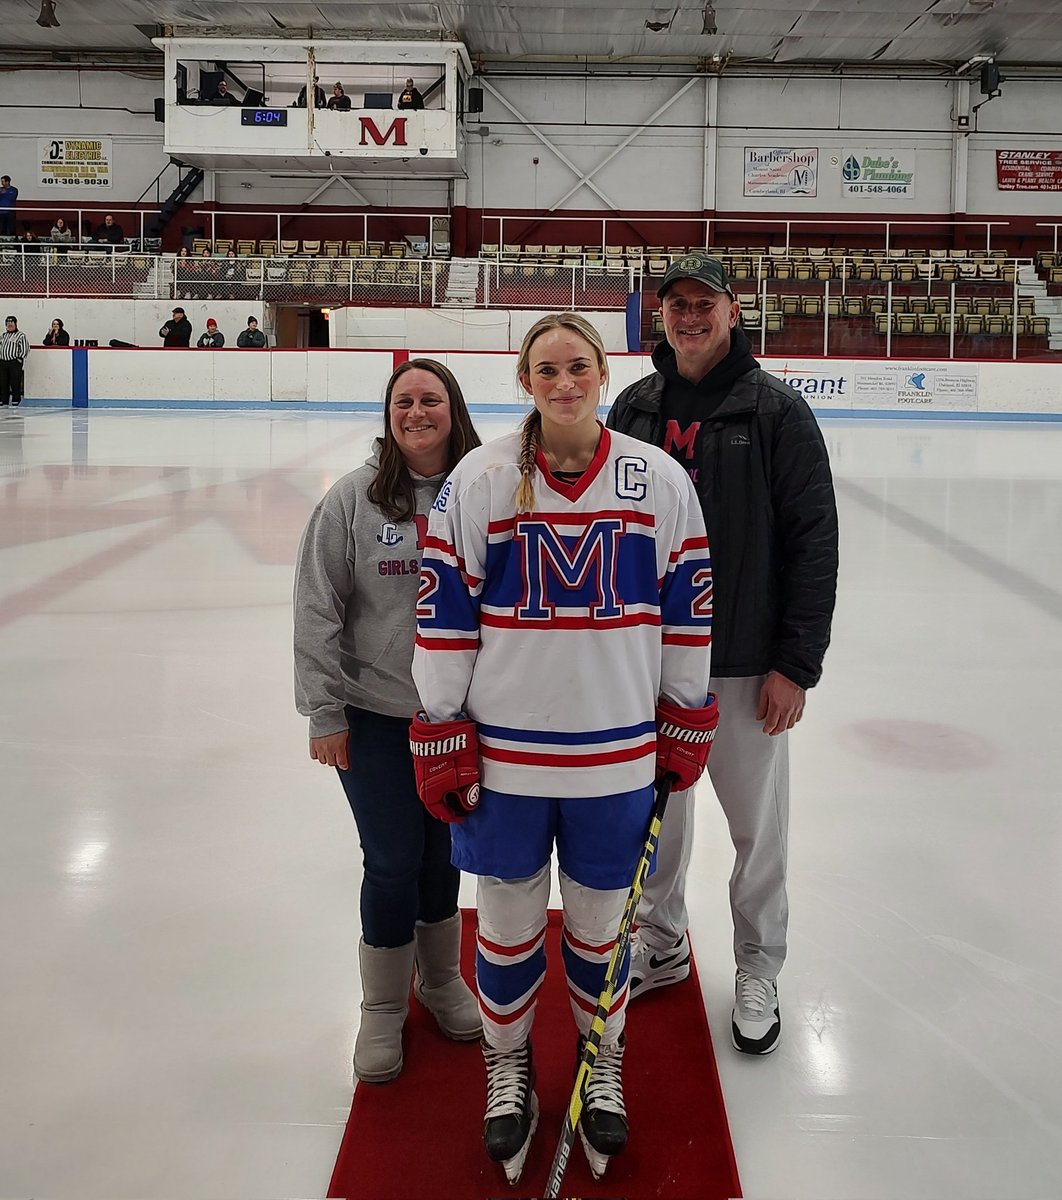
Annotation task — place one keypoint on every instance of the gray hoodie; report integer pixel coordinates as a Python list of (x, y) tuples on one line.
[(356, 583)]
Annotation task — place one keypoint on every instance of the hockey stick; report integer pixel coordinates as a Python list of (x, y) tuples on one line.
[(604, 1001)]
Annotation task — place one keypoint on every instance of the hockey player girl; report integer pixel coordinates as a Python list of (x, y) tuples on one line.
[(355, 596), (565, 608)]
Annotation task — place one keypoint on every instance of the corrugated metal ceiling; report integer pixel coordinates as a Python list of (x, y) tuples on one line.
[(781, 31)]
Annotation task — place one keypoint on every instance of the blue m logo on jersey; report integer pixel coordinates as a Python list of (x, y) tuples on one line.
[(572, 576)]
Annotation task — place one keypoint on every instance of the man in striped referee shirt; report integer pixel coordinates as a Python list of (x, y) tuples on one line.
[(13, 350)]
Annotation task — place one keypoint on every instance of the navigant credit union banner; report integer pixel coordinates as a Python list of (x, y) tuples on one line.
[(877, 173), (1029, 170), (775, 171), (75, 163)]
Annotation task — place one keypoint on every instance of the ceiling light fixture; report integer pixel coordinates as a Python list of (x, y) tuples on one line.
[(710, 27), (47, 18), (657, 26)]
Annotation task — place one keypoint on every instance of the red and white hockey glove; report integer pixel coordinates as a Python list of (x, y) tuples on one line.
[(684, 741), (446, 766)]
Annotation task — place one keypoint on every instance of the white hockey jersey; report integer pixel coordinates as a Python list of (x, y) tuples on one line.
[(557, 630)]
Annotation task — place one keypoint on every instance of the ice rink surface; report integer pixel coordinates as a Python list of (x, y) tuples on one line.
[(179, 881)]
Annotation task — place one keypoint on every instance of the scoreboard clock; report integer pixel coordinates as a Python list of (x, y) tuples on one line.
[(263, 116)]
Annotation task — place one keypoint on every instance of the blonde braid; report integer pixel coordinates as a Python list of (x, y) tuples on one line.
[(530, 431)]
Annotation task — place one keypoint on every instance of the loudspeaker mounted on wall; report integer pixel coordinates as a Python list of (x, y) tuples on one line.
[(475, 99), (160, 109)]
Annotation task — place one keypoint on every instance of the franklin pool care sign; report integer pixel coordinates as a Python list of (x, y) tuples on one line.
[(867, 384)]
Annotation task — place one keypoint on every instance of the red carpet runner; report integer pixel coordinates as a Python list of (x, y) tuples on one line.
[(419, 1138)]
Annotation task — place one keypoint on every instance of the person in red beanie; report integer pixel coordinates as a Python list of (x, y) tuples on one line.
[(213, 338)]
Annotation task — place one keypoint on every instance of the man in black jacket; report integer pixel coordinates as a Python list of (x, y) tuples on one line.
[(110, 231), (177, 332), (758, 462), (252, 338)]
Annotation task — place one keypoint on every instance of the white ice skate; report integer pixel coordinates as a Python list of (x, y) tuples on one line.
[(511, 1117)]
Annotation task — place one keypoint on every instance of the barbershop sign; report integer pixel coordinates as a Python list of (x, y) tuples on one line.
[(1029, 170), (75, 163), (781, 171)]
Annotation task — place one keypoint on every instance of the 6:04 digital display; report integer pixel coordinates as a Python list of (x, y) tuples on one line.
[(263, 116)]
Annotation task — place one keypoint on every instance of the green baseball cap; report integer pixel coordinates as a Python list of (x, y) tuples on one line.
[(702, 267)]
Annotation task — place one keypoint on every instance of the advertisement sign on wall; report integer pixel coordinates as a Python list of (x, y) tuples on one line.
[(70, 163), (873, 173), (1029, 170), (865, 384), (773, 171)]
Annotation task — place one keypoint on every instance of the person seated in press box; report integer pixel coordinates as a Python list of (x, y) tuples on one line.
[(410, 96), (221, 95), (339, 101)]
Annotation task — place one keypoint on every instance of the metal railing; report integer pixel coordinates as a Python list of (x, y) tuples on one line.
[(83, 222), (938, 306), (321, 281), (621, 232), (431, 229)]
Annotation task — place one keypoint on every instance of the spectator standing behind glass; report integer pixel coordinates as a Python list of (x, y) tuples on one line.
[(177, 332), (210, 270), (183, 269), (109, 231), (8, 198), (318, 95), (410, 97), (56, 335), (356, 586), (235, 272), (252, 337), (339, 101), (213, 338), (758, 461), (60, 232)]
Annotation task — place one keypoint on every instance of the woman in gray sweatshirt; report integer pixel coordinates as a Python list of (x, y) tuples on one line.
[(356, 586)]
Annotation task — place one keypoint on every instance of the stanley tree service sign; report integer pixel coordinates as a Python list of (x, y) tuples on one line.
[(867, 174), (770, 171), (1029, 170), (69, 163)]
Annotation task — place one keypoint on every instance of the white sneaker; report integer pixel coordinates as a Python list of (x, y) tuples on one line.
[(755, 1024), (652, 968)]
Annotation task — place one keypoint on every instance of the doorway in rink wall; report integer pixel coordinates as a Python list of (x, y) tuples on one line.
[(302, 328)]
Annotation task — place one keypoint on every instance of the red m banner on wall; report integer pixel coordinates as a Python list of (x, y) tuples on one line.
[(396, 130)]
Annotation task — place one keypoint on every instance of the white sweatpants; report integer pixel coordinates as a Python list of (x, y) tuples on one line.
[(749, 771), (511, 961)]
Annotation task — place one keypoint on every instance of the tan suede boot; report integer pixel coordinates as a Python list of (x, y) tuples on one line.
[(385, 978), (439, 986)]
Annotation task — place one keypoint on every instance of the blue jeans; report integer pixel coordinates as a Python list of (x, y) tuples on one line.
[(405, 850)]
